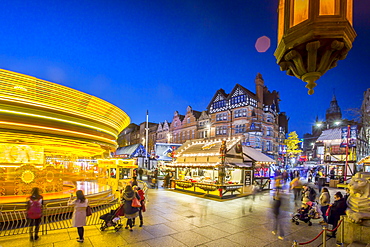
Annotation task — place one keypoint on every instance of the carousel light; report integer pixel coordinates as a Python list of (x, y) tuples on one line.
[(312, 36)]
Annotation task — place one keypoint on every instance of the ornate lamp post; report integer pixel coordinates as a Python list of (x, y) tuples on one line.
[(312, 36)]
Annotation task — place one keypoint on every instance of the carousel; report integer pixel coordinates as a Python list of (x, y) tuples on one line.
[(51, 137), (219, 168)]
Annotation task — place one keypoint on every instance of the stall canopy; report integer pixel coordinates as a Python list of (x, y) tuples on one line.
[(365, 160), (331, 135), (128, 152), (206, 153)]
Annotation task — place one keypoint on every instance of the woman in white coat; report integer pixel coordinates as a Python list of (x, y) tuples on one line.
[(79, 213)]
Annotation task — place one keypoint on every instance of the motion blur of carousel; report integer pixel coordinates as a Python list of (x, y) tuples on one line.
[(58, 139)]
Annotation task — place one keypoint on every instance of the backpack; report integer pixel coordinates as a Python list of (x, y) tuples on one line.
[(35, 209), (312, 195)]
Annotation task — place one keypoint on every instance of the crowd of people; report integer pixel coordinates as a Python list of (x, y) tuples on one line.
[(308, 194), (133, 206)]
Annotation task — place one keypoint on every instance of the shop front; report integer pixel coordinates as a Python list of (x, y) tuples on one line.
[(219, 168)]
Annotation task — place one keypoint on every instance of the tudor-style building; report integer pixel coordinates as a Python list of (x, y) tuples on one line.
[(255, 117)]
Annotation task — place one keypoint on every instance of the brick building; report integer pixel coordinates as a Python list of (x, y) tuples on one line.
[(254, 117)]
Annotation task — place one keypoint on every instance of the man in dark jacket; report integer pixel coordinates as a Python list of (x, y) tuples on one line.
[(337, 209)]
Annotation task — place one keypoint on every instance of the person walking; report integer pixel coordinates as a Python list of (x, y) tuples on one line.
[(296, 186), (79, 213), (130, 212), (142, 209), (321, 179), (133, 182), (276, 204), (34, 212), (324, 201), (337, 209)]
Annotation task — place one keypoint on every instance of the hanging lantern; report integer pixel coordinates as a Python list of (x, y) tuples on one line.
[(312, 36)]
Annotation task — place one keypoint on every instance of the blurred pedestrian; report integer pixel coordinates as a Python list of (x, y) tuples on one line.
[(254, 190), (309, 176), (140, 172), (332, 173), (324, 201), (321, 179), (296, 186), (337, 209), (133, 181), (276, 204), (34, 212), (130, 211), (79, 213), (166, 181)]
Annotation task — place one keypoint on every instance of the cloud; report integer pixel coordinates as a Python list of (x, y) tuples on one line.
[(56, 74)]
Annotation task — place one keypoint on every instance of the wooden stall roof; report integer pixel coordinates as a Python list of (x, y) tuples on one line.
[(206, 153), (365, 160)]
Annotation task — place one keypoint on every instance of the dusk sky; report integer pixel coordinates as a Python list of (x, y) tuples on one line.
[(164, 55)]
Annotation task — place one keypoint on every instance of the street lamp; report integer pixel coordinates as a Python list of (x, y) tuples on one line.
[(312, 36)]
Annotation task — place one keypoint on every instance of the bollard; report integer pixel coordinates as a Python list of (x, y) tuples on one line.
[(294, 243), (324, 237), (342, 230)]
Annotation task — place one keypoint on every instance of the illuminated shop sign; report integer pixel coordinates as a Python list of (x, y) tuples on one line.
[(15, 153)]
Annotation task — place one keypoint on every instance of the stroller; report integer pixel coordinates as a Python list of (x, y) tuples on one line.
[(308, 211), (112, 219)]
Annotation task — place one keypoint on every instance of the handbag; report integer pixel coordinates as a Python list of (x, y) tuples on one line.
[(328, 211), (135, 203), (88, 211)]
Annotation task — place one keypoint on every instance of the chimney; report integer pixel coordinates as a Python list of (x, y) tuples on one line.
[(260, 84)]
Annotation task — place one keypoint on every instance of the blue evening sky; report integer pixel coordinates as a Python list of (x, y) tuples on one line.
[(163, 55)]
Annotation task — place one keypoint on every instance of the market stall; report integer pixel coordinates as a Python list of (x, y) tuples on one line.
[(365, 162), (219, 168)]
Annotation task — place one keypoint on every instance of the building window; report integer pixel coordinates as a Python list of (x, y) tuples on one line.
[(219, 104), (221, 130), (268, 131), (268, 146), (258, 142), (193, 134), (240, 113), (188, 120)]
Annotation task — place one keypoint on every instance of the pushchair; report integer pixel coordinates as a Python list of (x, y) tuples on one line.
[(308, 211), (112, 219)]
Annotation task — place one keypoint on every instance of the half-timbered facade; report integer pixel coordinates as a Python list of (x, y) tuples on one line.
[(254, 117)]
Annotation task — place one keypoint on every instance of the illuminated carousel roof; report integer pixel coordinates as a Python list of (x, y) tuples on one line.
[(55, 118)]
